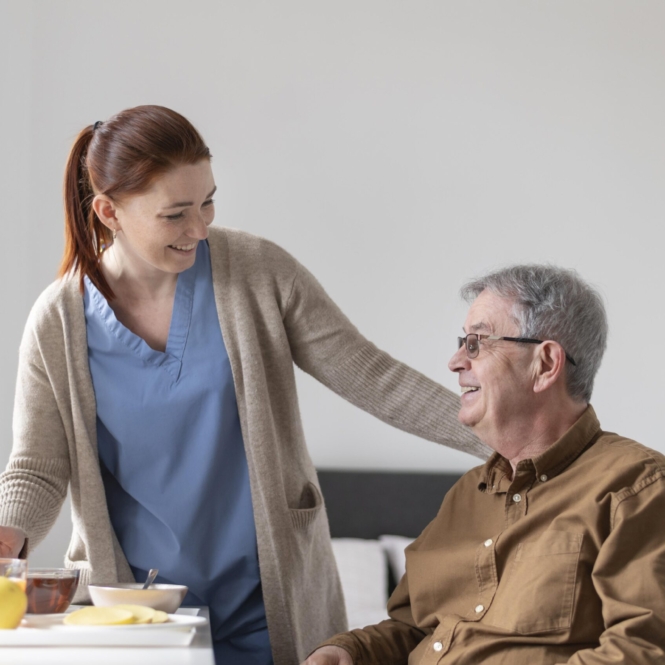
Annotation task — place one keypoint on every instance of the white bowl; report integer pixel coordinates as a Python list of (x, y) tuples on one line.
[(165, 597)]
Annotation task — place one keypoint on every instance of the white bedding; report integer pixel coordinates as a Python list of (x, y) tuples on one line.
[(363, 570)]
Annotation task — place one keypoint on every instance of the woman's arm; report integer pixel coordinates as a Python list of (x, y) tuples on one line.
[(34, 484), (325, 344)]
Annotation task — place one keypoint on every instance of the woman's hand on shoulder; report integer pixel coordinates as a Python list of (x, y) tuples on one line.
[(329, 656), (11, 542)]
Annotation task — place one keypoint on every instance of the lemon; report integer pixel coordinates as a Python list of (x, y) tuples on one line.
[(99, 616), (13, 603), (141, 613)]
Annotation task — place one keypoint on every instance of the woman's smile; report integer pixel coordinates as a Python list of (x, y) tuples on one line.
[(184, 249)]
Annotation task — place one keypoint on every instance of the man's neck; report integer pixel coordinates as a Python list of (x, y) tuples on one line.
[(526, 440)]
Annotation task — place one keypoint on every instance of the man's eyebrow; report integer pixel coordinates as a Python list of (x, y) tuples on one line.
[(480, 326), (184, 204)]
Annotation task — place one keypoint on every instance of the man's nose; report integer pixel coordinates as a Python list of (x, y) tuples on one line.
[(459, 361)]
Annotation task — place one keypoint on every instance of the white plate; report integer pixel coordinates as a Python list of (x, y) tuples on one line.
[(48, 630)]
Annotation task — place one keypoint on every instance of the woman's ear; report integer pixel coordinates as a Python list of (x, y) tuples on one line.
[(549, 365), (105, 209)]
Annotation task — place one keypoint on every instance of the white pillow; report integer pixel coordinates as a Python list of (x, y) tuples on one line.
[(394, 547), (364, 575)]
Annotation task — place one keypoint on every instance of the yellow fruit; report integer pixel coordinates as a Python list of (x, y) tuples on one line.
[(99, 616), (141, 613), (13, 603), (160, 617)]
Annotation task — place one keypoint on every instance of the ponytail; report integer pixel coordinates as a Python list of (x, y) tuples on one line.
[(85, 236)]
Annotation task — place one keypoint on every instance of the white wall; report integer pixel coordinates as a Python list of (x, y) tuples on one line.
[(395, 148)]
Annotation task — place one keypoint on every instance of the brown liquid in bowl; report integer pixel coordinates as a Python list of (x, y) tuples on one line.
[(49, 594)]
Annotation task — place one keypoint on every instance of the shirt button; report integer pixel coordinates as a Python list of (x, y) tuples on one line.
[(488, 542), (479, 609), (517, 498), (437, 646), (543, 478)]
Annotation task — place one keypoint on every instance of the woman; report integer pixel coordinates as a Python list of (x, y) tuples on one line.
[(156, 380)]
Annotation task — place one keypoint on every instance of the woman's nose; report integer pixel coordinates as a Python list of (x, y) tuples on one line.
[(199, 228)]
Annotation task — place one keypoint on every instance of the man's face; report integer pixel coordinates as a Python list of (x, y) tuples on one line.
[(497, 385)]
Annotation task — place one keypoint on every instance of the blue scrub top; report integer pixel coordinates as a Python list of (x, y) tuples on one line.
[(173, 461)]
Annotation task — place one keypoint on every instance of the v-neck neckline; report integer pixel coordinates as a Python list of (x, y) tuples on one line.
[(171, 358)]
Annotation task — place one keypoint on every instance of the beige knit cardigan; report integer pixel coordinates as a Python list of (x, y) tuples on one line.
[(272, 313)]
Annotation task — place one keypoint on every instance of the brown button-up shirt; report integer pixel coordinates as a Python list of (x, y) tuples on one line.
[(562, 563)]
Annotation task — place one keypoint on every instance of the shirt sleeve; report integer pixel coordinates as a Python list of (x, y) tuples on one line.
[(389, 642), (325, 344), (629, 576)]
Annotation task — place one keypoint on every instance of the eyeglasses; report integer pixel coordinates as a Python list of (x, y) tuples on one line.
[(472, 343)]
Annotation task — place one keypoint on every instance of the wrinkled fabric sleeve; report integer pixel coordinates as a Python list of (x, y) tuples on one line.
[(389, 642), (326, 345), (34, 485), (629, 576)]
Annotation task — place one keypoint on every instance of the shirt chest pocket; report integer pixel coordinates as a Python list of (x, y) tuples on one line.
[(536, 592)]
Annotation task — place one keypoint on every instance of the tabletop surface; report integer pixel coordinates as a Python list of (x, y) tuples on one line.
[(199, 652)]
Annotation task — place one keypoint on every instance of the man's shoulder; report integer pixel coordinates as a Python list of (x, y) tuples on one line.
[(631, 462), (615, 447)]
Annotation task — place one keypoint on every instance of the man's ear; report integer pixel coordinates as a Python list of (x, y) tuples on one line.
[(549, 365), (105, 209)]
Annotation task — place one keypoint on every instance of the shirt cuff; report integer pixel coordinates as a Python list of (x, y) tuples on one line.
[(344, 641)]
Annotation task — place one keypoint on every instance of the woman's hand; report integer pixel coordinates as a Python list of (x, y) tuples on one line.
[(329, 656), (11, 542)]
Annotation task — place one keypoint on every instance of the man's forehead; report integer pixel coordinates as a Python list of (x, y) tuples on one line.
[(489, 313)]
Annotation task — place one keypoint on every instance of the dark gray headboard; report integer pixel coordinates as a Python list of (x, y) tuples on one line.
[(367, 504)]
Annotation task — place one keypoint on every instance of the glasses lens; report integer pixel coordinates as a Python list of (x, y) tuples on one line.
[(460, 342), (472, 346)]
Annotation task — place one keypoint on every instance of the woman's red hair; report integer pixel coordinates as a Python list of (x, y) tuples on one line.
[(122, 156)]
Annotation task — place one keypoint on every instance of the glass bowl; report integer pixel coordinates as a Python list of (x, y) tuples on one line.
[(50, 590)]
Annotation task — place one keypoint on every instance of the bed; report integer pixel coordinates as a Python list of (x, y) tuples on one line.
[(373, 517)]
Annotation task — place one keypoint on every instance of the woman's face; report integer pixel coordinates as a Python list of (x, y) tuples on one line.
[(159, 229)]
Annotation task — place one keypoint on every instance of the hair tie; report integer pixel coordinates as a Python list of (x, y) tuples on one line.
[(96, 125)]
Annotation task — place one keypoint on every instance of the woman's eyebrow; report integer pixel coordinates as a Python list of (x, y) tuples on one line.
[(184, 204)]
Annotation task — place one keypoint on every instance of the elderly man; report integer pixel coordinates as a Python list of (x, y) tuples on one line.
[(554, 550)]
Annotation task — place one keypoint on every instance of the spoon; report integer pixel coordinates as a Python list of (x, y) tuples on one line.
[(152, 573)]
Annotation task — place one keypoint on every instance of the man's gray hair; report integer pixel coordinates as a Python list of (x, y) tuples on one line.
[(554, 304)]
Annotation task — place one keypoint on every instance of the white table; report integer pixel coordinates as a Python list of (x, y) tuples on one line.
[(199, 652)]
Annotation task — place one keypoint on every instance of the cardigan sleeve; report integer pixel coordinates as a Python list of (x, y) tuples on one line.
[(34, 484), (325, 344)]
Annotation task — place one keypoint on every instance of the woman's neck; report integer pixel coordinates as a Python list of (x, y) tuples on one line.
[(134, 280)]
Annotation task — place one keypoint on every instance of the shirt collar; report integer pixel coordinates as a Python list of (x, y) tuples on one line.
[(553, 461)]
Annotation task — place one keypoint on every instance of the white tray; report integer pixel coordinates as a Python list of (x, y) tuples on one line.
[(48, 630)]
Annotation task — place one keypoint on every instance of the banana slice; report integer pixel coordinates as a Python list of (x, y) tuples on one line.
[(141, 613), (99, 616), (160, 617)]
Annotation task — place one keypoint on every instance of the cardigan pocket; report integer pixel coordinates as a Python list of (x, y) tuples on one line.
[(310, 506)]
